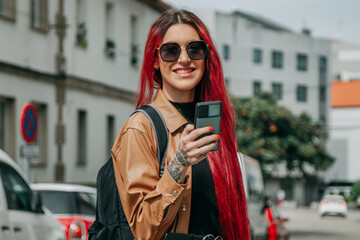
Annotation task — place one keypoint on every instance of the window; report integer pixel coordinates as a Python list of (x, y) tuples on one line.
[(110, 133), (86, 203), (226, 51), (18, 193), (227, 82), (277, 59), (81, 29), (301, 93), (59, 202), (302, 62), (8, 9), (277, 90), (39, 15), (110, 42), (257, 55), (256, 87), (322, 94), (82, 138), (322, 63), (134, 48), (41, 139), (7, 126)]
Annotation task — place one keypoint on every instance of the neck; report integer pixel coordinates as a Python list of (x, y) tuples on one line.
[(180, 96)]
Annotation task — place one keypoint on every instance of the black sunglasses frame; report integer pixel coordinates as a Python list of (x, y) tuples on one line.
[(186, 48)]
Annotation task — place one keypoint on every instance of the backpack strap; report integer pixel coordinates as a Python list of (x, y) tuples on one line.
[(159, 127)]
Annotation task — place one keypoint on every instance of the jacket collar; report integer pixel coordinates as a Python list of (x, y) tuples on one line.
[(173, 119)]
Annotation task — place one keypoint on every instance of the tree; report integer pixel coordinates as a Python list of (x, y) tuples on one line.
[(355, 190), (273, 134)]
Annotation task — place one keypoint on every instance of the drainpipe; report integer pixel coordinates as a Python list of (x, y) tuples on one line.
[(60, 92)]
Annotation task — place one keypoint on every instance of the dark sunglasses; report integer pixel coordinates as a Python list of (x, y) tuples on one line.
[(170, 51)]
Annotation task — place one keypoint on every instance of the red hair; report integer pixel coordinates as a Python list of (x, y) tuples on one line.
[(224, 163)]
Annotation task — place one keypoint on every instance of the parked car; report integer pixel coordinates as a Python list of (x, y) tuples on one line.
[(22, 215), (254, 190), (73, 205), (332, 205), (358, 201)]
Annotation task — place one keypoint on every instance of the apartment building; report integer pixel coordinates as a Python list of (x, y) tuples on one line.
[(78, 62), (259, 54)]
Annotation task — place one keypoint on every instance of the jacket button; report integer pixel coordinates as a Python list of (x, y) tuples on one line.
[(175, 193), (184, 208)]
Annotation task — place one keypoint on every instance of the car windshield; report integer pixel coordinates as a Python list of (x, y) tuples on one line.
[(333, 198), (69, 202)]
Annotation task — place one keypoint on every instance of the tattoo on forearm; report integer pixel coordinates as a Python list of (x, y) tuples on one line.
[(182, 157), (174, 169)]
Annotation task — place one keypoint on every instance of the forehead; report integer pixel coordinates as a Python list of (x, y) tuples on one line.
[(181, 33)]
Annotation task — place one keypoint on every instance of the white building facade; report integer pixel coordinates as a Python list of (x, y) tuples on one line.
[(78, 62), (345, 132), (261, 55)]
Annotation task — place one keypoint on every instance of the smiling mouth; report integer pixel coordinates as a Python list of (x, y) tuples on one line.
[(181, 71)]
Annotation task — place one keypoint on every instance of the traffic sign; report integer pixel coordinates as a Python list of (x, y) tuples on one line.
[(28, 122), (29, 151)]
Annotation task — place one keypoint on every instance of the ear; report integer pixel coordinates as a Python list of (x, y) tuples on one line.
[(156, 64)]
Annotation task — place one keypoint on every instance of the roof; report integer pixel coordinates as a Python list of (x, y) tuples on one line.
[(264, 22), (345, 94), (62, 187)]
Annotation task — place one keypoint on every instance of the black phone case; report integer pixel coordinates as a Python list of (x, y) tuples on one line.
[(209, 114)]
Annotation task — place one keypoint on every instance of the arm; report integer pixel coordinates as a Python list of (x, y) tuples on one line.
[(148, 201)]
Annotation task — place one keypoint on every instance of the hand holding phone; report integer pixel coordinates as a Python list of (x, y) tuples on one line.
[(209, 114)]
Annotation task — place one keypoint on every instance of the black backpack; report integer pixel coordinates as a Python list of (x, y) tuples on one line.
[(110, 222)]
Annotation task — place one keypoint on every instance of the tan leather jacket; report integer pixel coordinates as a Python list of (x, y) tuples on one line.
[(152, 205)]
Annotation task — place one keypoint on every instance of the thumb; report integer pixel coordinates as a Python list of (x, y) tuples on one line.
[(188, 129)]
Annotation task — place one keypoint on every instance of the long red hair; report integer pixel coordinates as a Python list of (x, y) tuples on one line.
[(223, 163)]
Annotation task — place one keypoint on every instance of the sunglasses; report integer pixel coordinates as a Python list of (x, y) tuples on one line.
[(170, 51)]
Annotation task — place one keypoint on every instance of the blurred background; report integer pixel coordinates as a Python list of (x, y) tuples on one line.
[(69, 72)]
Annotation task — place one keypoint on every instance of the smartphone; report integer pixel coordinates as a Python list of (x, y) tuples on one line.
[(209, 114)]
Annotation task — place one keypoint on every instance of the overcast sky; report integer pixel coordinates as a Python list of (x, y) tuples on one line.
[(338, 19)]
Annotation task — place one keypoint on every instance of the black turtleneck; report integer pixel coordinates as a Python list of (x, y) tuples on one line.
[(204, 217)]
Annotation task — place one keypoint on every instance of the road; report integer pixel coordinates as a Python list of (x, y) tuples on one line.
[(306, 224)]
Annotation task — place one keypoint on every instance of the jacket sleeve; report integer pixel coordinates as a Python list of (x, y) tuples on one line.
[(150, 203)]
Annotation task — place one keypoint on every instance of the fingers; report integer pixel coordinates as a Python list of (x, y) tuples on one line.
[(193, 149), (188, 129), (195, 133)]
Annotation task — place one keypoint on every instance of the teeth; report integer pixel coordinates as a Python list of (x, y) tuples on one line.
[(184, 70)]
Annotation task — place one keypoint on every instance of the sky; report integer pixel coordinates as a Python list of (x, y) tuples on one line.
[(334, 19)]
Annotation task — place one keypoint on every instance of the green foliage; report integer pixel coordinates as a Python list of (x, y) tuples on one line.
[(273, 134), (355, 191)]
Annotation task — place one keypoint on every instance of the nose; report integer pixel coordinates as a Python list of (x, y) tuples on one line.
[(184, 58)]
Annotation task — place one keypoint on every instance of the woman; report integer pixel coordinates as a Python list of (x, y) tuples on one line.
[(272, 233), (200, 192)]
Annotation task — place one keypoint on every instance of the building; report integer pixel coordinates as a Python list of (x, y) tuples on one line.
[(345, 60), (344, 132), (78, 62), (261, 55)]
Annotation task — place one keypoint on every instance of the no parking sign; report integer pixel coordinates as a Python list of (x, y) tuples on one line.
[(28, 122)]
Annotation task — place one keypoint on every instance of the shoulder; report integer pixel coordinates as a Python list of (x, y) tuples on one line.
[(138, 121), (136, 128)]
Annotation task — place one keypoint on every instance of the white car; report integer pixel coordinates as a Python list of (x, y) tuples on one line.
[(73, 205), (333, 205), (22, 215)]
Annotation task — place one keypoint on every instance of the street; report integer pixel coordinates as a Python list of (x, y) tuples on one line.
[(305, 223)]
